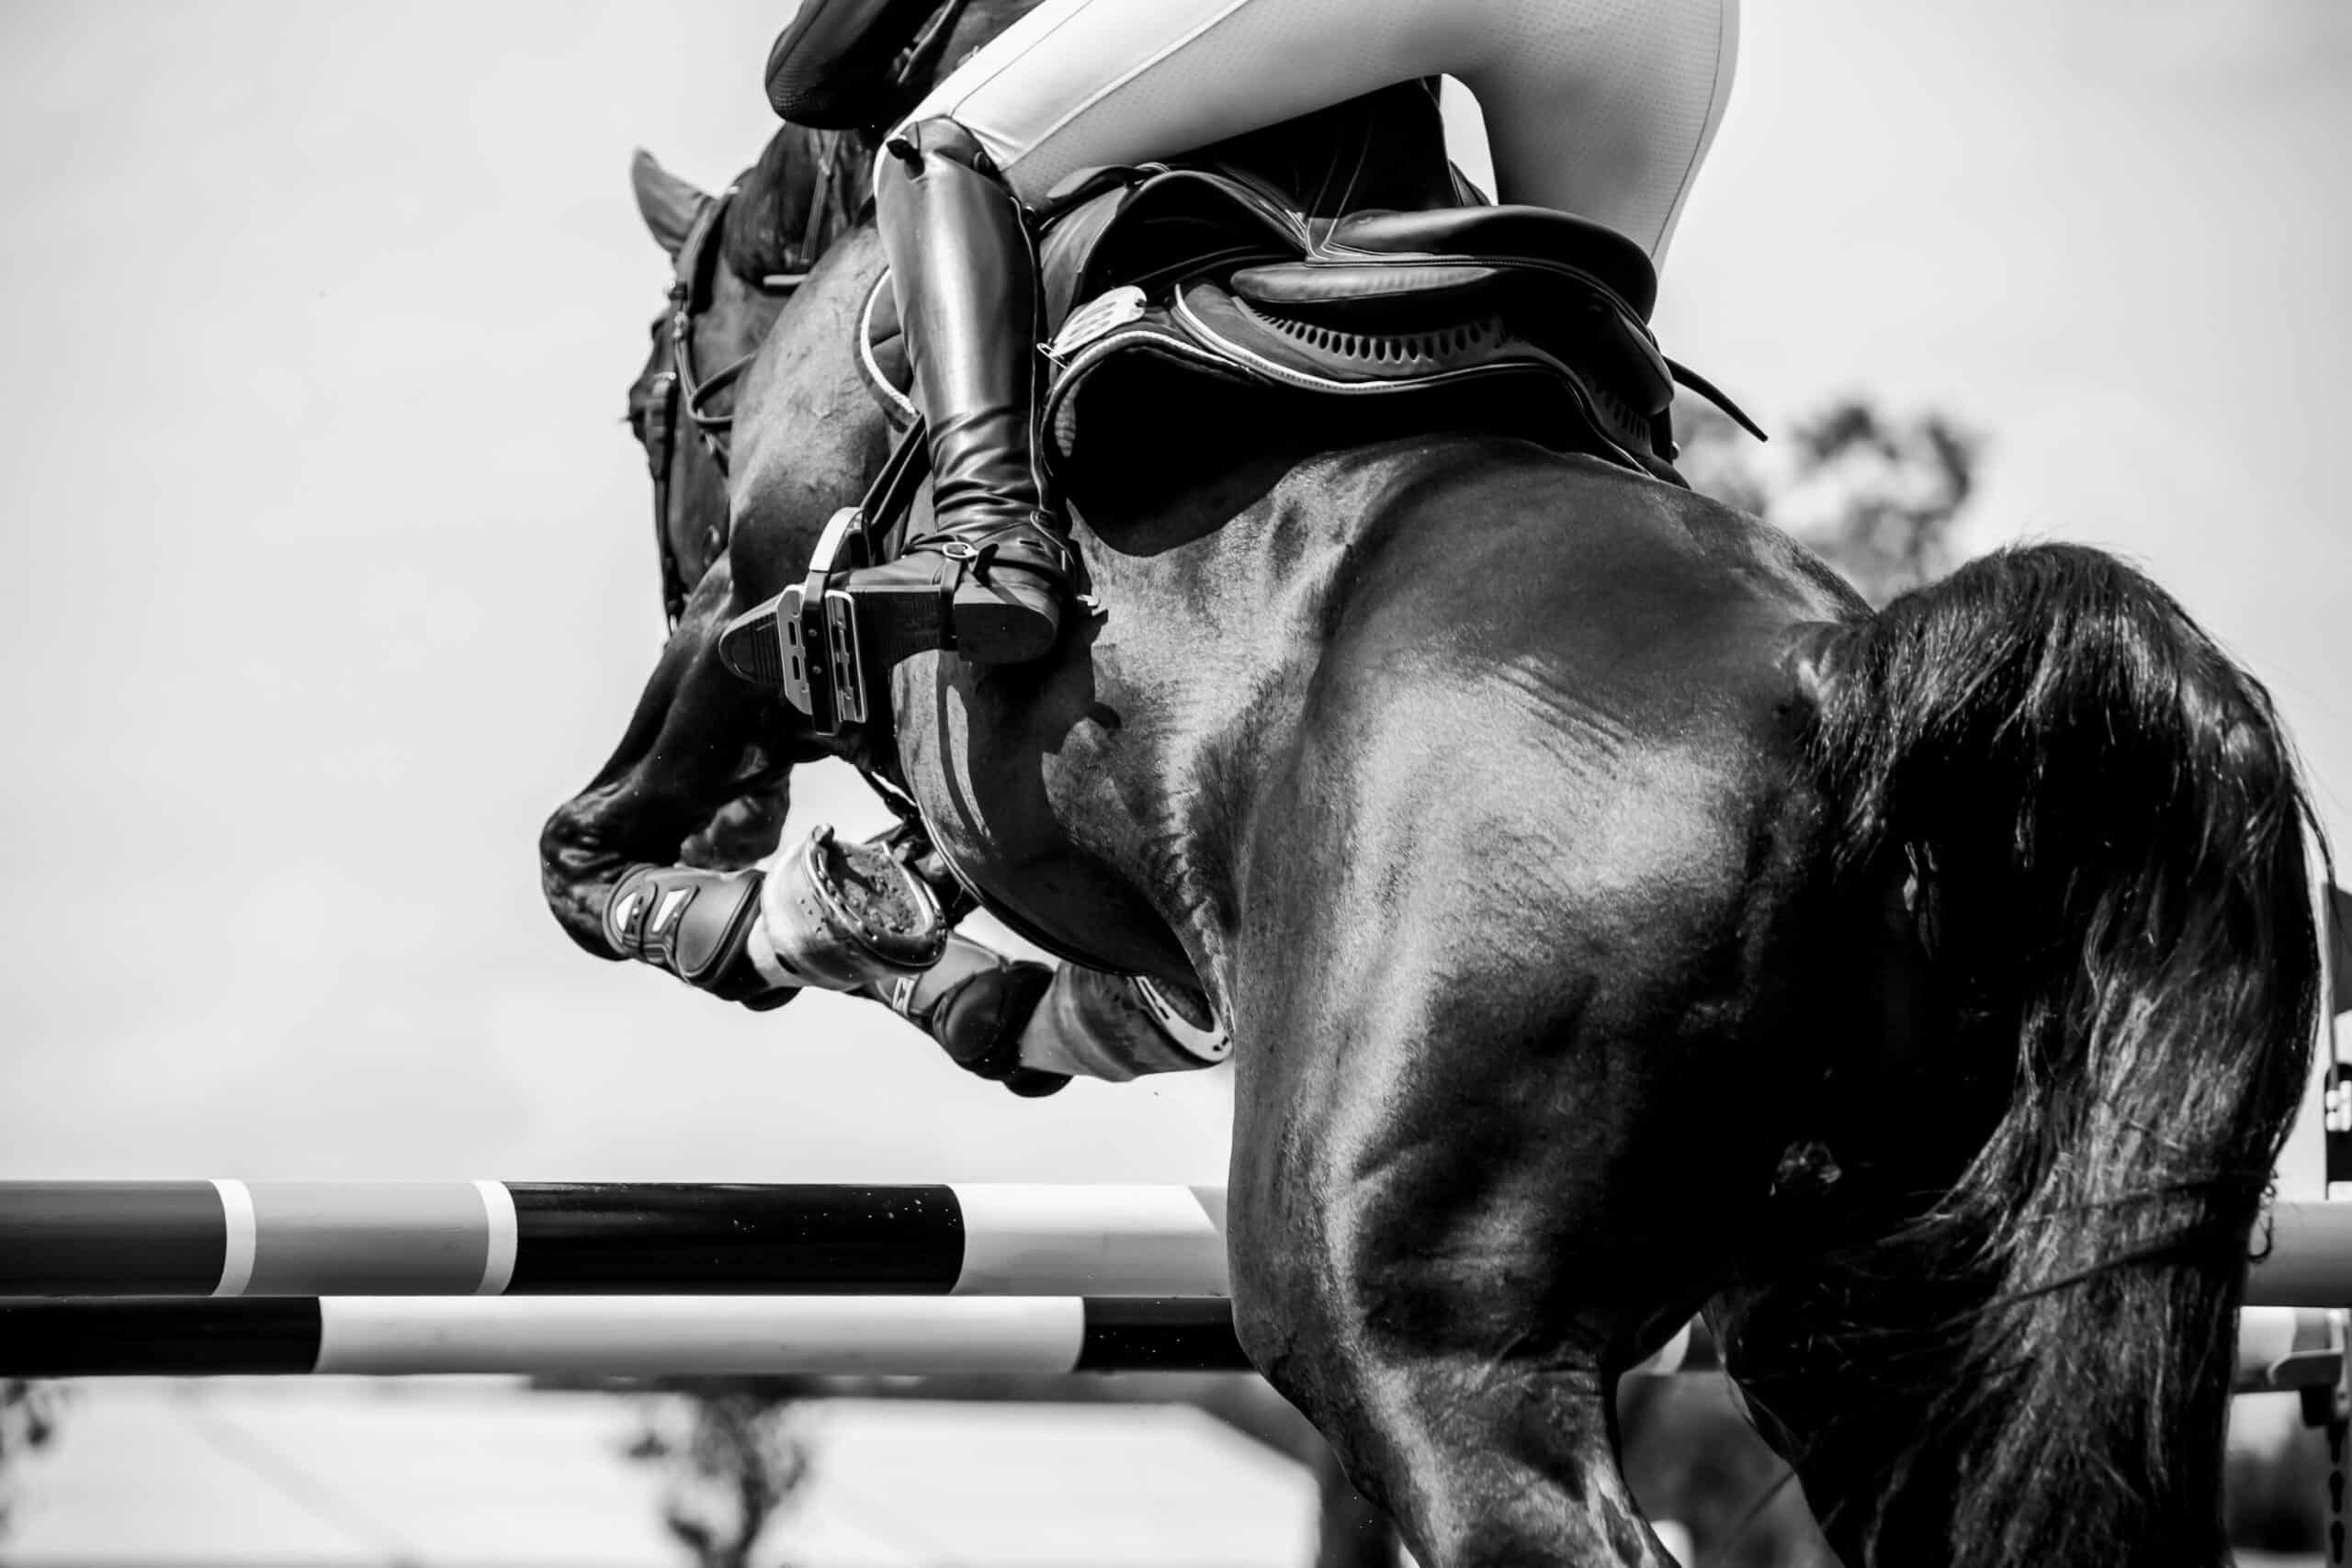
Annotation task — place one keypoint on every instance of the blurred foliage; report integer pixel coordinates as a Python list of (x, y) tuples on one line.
[(735, 1465), (27, 1419), (1875, 494), (1350, 1532)]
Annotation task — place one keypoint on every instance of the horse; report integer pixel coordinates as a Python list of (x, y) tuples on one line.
[(736, 265), (1615, 920)]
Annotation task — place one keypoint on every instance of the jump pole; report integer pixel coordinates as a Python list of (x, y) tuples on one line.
[(615, 1336), (624, 1337), (491, 1238)]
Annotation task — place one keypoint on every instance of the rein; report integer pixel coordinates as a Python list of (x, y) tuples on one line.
[(678, 390)]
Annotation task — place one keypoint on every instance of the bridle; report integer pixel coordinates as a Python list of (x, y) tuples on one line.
[(678, 390)]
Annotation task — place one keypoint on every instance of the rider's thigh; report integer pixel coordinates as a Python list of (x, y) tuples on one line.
[(1602, 108), (1608, 111)]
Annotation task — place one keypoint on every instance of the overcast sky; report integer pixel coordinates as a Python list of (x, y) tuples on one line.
[(330, 572)]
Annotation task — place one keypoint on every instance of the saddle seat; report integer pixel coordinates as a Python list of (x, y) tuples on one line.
[(1533, 238), (1337, 256)]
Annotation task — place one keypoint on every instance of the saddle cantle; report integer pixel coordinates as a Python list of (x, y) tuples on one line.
[(1335, 256)]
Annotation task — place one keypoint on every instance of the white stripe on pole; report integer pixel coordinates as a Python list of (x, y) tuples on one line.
[(2266, 1336), (1090, 1241), (498, 1260), (699, 1336), (237, 1254)]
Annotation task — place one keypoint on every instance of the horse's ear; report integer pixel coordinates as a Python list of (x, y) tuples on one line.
[(669, 204)]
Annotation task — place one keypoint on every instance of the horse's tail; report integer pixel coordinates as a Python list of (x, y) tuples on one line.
[(2095, 817)]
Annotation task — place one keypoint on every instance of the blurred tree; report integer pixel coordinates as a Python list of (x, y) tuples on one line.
[(27, 1419), (1350, 1532), (733, 1467), (1875, 495)]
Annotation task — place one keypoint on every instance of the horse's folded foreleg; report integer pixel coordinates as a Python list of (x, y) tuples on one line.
[(699, 743), (745, 830)]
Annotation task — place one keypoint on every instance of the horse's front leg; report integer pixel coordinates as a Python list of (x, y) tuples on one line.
[(700, 777), (746, 830), (697, 793)]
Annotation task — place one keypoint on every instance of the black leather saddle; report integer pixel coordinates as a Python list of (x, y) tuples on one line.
[(1340, 255)]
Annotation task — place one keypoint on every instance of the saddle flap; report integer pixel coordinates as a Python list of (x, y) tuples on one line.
[(1213, 332), (1507, 236), (1370, 291), (1309, 353), (1176, 223)]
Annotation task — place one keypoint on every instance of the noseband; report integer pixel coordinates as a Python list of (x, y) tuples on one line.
[(677, 391)]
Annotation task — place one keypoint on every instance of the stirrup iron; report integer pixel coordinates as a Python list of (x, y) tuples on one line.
[(809, 641)]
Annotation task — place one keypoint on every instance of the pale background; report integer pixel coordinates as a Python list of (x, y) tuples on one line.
[(331, 571)]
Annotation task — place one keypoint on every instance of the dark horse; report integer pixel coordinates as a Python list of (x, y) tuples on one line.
[(1615, 920)]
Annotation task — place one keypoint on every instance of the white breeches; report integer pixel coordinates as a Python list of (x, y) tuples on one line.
[(1603, 108)]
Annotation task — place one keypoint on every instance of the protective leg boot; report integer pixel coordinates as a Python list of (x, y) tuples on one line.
[(988, 579), (976, 1002), (698, 925)]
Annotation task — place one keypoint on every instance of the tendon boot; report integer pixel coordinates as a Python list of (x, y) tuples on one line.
[(976, 1002), (988, 579), (699, 925)]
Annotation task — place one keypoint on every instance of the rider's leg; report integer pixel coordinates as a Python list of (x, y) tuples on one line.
[(1604, 109), (1033, 1029), (1612, 123), (976, 1002), (996, 564)]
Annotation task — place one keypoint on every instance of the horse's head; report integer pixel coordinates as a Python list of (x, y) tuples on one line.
[(736, 258)]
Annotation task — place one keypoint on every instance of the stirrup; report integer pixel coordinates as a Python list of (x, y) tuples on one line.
[(829, 645), (806, 640)]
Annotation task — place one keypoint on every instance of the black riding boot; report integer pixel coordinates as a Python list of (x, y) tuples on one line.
[(988, 579)]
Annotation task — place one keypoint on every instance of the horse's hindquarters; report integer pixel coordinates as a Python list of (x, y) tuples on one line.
[(1508, 1059)]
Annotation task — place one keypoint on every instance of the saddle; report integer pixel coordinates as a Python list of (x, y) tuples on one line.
[(1333, 257)]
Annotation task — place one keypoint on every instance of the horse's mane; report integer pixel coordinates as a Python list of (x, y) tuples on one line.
[(771, 207)]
